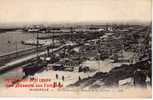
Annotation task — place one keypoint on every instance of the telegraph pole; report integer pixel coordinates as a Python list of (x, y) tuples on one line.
[(37, 46)]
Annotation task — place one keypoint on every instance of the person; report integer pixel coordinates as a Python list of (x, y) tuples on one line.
[(56, 76), (9, 42), (140, 78), (63, 78), (79, 78)]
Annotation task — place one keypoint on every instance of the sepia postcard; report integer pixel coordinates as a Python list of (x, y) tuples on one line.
[(76, 48)]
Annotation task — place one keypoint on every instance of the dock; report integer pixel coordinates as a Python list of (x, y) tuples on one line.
[(24, 60)]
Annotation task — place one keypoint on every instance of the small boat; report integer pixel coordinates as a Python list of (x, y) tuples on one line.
[(31, 69)]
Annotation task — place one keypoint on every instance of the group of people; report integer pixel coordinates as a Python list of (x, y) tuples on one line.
[(57, 77)]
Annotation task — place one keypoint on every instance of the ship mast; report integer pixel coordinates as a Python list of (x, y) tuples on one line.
[(37, 46)]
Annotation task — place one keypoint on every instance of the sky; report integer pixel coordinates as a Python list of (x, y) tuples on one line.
[(70, 11)]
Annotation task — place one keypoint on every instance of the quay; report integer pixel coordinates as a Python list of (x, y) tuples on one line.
[(24, 60)]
